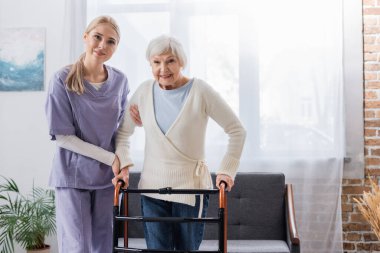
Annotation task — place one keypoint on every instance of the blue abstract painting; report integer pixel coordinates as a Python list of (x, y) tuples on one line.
[(22, 59)]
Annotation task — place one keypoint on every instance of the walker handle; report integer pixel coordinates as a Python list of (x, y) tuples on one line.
[(118, 186), (224, 184)]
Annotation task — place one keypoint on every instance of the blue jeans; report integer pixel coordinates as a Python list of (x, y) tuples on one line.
[(173, 236)]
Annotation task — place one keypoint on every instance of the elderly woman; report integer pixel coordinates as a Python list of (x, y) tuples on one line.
[(174, 111)]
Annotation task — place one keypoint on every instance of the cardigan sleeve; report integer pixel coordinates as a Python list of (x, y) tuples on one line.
[(218, 109), (124, 132), (127, 127)]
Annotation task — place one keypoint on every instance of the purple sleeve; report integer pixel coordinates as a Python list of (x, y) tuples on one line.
[(58, 109)]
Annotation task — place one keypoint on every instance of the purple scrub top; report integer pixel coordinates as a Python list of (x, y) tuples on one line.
[(94, 117)]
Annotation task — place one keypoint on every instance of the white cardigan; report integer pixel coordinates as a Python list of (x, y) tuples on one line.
[(176, 159)]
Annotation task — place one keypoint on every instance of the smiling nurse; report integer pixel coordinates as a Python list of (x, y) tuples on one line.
[(84, 107)]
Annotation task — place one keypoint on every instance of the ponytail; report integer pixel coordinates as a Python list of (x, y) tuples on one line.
[(74, 80)]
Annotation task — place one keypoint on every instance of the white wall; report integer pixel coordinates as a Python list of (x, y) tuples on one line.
[(26, 151)]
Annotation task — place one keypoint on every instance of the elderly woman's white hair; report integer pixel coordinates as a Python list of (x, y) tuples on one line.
[(166, 44)]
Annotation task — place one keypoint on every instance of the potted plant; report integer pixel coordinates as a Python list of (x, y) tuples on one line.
[(26, 220)]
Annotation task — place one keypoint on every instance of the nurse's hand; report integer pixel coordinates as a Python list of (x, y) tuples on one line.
[(116, 166), (225, 178), (135, 115), (124, 176)]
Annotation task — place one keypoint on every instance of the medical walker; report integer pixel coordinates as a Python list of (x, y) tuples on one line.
[(124, 218)]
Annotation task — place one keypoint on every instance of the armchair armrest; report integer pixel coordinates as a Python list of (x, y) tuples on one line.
[(290, 218)]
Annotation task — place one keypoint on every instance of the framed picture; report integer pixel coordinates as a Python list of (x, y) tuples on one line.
[(22, 59)]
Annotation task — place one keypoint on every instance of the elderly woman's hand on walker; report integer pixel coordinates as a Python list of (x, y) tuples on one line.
[(225, 178)]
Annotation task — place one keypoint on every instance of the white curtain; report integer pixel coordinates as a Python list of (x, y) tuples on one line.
[(279, 65), (75, 20)]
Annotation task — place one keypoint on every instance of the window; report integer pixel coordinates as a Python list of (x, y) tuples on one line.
[(281, 66), (277, 71)]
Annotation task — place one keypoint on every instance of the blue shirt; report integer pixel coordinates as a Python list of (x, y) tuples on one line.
[(168, 104)]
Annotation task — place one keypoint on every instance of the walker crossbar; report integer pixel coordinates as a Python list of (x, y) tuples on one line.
[(221, 219), (163, 251), (167, 219), (169, 190)]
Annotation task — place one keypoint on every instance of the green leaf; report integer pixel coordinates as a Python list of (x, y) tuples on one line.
[(9, 186), (6, 241)]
